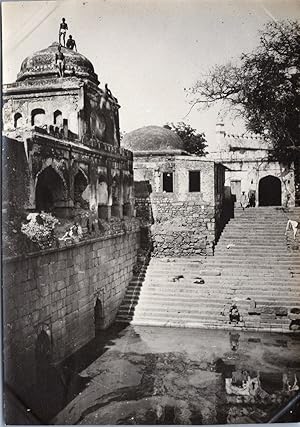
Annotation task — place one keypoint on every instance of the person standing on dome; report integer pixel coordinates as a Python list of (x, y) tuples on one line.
[(60, 61), (108, 91), (71, 44), (62, 31)]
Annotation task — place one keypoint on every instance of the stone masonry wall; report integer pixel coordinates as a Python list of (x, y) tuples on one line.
[(56, 291), (182, 228), (143, 208), (143, 211), (185, 222)]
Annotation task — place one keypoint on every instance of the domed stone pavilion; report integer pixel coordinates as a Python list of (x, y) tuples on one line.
[(180, 196), (62, 163), (91, 113), (69, 130)]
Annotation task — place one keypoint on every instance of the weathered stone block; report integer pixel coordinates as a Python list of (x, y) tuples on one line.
[(281, 311), (44, 290), (60, 285)]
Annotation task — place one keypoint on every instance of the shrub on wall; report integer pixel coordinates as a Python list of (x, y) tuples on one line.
[(40, 228)]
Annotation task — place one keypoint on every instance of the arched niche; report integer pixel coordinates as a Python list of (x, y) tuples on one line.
[(38, 117), (80, 185), (43, 358), (43, 347), (110, 129), (98, 316), (50, 191), (18, 120), (269, 191), (58, 118), (97, 124)]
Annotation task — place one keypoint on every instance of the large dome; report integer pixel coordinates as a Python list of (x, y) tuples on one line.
[(41, 64), (153, 139)]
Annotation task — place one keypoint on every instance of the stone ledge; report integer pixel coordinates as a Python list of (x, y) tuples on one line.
[(135, 229)]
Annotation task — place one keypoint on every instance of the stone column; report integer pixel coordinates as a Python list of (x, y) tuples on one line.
[(81, 114), (117, 207), (220, 137), (109, 191)]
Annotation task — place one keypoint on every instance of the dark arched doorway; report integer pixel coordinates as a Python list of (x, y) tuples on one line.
[(43, 353), (50, 191), (80, 184), (269, 191), (98, 316)]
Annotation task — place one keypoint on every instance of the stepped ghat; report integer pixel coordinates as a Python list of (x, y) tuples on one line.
[(255, 267)]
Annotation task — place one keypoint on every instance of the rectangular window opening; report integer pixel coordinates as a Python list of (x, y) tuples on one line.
[(168, 182), (194, 181)]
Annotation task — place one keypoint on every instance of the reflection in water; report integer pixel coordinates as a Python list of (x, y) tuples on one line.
[(241, 384), (148, 375), (181, 376), (234, 340), (56, 385)]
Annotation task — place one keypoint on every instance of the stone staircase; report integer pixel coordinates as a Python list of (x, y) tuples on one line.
[(255, 266)]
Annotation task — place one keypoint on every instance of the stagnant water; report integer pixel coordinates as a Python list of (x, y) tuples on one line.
[(152, 375)]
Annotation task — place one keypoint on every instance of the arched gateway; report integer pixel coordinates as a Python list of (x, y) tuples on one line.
[(269, 191)]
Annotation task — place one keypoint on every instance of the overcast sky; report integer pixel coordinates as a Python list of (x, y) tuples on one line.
[(148, 51)]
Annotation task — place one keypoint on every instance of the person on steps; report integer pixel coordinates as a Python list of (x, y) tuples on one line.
[(294, 225), (251, 196), (234, 315), (244, 200)]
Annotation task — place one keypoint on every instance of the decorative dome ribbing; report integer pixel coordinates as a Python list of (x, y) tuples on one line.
[(42, 64)]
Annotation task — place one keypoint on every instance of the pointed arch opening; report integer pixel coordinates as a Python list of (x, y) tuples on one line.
[(269, 191), (57, 118), (98, 316), (50, 193), (38, 117), (80, 185), (43, 356), (18, 120), (109, 128)]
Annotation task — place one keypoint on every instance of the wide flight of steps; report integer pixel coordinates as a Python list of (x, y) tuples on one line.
[(255, 266)]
